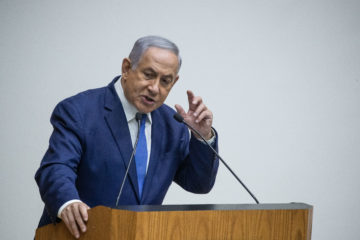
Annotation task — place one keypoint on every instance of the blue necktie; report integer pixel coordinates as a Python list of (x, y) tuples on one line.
[(141, 155)]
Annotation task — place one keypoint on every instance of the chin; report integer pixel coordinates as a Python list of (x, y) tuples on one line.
[(145, 109)]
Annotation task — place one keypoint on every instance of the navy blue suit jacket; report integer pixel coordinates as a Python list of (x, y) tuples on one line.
[(90, 148)]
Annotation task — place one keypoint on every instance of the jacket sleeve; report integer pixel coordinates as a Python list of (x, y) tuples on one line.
[(57, 174), (198, 170)]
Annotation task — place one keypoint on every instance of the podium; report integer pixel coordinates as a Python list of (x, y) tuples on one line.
[(291, 221)]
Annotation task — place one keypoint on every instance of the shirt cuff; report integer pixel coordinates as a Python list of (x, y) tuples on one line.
[(211, 140), (65, 205)]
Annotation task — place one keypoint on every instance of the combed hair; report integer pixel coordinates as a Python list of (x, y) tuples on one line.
[(142, 44)]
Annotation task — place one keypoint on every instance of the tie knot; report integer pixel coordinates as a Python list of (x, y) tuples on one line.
[(140, 117)]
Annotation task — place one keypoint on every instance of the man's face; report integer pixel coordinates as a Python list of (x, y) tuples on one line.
[(147, 86)]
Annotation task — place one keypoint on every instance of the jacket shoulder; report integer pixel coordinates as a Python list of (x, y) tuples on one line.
[(86, 97)]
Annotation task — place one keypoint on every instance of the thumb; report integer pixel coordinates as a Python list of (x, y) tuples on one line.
[(180, 110)]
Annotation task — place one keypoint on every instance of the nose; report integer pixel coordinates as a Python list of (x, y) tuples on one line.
[(154, 87)]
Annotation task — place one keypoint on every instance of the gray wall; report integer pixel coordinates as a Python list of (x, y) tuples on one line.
[(281, 77)]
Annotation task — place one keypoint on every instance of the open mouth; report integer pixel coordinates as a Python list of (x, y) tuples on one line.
[(148, 100)]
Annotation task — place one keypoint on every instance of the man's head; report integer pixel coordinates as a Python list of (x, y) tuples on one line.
[(150, 72)]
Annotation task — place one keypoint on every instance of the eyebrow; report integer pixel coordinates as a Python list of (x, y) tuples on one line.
[(154, 72), (150, 69)]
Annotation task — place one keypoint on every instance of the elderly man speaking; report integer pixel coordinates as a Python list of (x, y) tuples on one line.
[(95, 132)]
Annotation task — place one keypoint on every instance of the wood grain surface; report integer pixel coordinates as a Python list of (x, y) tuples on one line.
[(243, 224)]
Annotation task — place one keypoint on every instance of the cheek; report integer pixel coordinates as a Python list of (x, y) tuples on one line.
[(137, 87), (163, 94)]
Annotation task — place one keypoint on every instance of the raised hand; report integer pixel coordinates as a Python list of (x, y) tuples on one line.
[(198, 115)]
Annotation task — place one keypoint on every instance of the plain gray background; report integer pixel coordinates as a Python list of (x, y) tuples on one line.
[(281, 77)]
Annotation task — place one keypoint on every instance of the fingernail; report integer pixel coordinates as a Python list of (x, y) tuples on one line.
[(194, 102), (83, 229), (195, 114), (77, 236)]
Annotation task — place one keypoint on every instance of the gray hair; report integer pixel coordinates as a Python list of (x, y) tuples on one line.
[(142, 44)]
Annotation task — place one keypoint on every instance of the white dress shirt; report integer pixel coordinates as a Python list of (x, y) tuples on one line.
[(130, 112)]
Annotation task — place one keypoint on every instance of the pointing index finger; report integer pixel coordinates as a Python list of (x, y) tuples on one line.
[(191, 97)]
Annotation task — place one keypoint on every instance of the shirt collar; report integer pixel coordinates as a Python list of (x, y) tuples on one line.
[(129, 109)]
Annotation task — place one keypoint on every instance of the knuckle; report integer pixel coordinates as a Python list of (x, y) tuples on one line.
[(74, 227), (71, 222), (81, 225)]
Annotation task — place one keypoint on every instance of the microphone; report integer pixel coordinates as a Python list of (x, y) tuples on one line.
[(138, 119), (180, 119)]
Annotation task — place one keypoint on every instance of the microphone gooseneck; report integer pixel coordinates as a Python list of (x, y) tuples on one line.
[(138, 119), (180, 119)]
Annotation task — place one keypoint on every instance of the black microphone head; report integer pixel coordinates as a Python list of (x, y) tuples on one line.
[(138, 116), (178, 117)]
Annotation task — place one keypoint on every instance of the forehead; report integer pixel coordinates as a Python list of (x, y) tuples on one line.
[(159, 60)]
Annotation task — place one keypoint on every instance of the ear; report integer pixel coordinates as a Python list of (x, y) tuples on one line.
[(125, 67)]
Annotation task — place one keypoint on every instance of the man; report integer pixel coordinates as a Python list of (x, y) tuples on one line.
[(95, 131)]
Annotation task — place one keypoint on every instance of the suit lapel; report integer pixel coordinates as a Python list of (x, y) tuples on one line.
[(155, 154), (116, 120)]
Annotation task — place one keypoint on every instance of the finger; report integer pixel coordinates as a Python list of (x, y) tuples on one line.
[(180, 110), (196, 100), (83, 211), (205, 115), (72, 222), (66, 221), (191, 97), (199, 109), (78, 217)]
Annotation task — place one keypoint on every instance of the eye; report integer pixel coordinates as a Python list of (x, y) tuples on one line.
[(148, 75), (166, 81)]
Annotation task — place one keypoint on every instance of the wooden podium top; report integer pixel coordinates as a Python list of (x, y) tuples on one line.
[(212, 207)]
